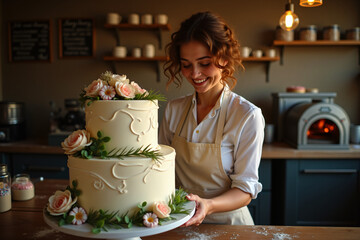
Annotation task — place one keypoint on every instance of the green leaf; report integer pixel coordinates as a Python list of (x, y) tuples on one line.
[(61, 222), (99, 134), (69, 219), (96, 230), (100, 223)]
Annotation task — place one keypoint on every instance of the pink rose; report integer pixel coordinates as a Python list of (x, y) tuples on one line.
[(117, 78), (76, 141), (161, 209), (138, 89), (94, 88), (125, 90), (60, 203)]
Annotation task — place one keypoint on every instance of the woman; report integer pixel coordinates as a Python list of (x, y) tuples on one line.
[(217, 134)]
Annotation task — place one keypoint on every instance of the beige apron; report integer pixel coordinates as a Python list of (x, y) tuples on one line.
[(199, 169)]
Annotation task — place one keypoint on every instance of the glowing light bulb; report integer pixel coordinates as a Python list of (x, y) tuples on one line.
[(310, 3), (289, 20)]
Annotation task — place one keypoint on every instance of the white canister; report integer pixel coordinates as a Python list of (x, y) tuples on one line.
[(149, 50), (120, 51), (257, 53), (134, 18), (161, 19), (147, 19), (113, 18), (245, 51), (136, 52), (355, 134), (270, 52)]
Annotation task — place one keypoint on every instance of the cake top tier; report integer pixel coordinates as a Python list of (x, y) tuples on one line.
[(111, 86)]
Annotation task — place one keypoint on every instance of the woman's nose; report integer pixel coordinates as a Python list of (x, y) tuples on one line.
[(195, 72)]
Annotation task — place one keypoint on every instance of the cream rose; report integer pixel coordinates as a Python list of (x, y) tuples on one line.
[(118, 78), (60, 203), (76, 141), (94, 88), (125, 90), (161, 209), (138, 89)]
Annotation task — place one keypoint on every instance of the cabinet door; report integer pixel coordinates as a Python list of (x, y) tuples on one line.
[(322, 192), (260, 208), (40, 165)]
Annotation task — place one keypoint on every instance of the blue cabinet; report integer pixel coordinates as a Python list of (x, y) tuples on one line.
[(260, 208), (37, 165), (316, 192)]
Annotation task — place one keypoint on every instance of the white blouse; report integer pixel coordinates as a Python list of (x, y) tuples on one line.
[(242, 140)]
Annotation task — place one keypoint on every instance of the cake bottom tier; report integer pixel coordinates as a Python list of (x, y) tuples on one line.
[(121, 184)]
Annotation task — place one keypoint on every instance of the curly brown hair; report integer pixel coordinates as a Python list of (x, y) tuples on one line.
[(212, 31)]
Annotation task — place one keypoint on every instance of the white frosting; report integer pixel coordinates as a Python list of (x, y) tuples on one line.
[(129, 123), (120, 185)]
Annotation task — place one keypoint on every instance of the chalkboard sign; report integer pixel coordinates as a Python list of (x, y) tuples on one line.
[(30, 41), (76, 38)]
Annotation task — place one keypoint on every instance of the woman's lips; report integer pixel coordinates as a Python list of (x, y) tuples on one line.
[(198, 81)]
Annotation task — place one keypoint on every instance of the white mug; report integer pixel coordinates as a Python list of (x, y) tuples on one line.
[(270, 52), (161, 19), (134, 18), (136, 52), (120, 51), (245, 52), (113, 18), (257, 53), (149, 50), (146, 19)]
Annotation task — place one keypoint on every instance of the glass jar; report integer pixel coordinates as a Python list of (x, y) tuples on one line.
[(332, 33), (353, 34), (283, 35), (308, 33), (5, 189), (22, 188)]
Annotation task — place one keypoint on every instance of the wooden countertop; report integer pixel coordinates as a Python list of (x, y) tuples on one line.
[(25, 221), (270, 151)]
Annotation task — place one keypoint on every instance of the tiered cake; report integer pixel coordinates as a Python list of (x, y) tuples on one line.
[(132, 166)]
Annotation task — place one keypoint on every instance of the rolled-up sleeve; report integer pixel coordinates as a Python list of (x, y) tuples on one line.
[(247, 152)]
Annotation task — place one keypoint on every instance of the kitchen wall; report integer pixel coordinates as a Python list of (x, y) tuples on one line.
[(330, 69)]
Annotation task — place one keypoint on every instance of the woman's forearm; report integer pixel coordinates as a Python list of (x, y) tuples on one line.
[(228, 201)]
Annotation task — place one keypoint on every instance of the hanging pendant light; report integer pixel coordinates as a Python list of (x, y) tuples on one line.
[(289, 20), (310, 3)]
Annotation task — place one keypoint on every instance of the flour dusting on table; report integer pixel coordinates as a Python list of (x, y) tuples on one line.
[(194, 234)]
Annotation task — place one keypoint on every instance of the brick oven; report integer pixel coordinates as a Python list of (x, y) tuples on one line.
[(310, 121)]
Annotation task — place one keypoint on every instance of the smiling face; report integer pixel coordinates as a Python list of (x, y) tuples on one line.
[(198, 68)]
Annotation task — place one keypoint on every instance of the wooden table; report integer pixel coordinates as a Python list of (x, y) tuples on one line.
[(25, 221)]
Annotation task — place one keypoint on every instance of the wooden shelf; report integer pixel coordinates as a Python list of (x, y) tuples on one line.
[(317, 43), (127, 26), (139, 59), (262, 59)]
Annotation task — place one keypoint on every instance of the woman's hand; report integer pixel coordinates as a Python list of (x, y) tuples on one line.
[(201, 210), (228, 201)]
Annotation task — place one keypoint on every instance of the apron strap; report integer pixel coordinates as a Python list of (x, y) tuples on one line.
[(184, 116), (221, 123)]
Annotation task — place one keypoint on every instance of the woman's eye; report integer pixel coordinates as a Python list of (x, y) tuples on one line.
[(204, 64), (186, 66)]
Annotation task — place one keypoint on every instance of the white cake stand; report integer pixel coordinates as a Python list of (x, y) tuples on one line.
[(133, 233)]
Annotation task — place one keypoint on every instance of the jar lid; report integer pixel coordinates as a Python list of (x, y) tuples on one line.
[(3, 169), (332, 26), (355, 29)]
